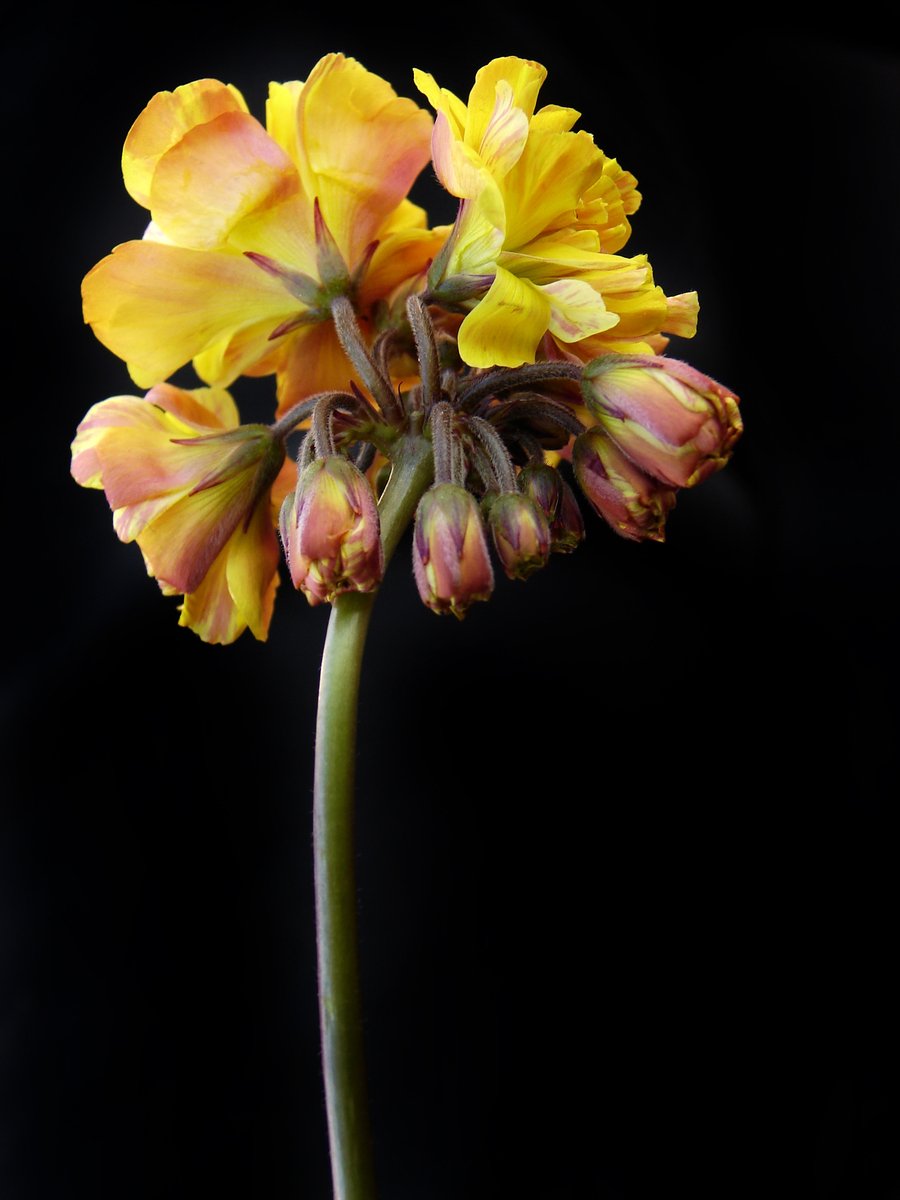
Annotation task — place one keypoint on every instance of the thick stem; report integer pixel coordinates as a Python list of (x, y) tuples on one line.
[(340, 1007)]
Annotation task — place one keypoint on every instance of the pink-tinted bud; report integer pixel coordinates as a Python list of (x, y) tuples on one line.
[(546, 486), (521, 534), (331, 531), (675, 423), (634, 503), (451, 560)]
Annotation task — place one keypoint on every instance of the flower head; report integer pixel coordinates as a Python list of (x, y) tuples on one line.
[(254, 230), (542, 212), (196, 491)]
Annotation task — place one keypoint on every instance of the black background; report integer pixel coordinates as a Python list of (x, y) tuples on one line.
[(627, 834)]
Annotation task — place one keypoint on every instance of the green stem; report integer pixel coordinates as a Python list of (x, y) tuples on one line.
[(340, 1007)]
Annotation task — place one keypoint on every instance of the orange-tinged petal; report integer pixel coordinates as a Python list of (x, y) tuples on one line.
[(216, 174), (285, 232), (239, 588), (205, 407), (164, 121), (312, 361), (159, 306), (398, 259), (182, 543), (364, 146), (505, 327)]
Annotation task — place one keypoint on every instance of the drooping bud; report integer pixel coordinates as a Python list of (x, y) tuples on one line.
[(632, 502), (451, 560), (675, 423), (521, 534), (546, 486), (331, 531)]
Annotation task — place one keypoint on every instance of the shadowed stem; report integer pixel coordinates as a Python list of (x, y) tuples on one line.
[(340, 1008)]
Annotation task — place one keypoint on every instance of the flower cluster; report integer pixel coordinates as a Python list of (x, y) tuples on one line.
[(482, 368)]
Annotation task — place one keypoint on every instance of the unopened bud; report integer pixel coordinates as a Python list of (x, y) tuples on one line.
[(451, 560), (632, 502), (675, 423), (521, 534), (331, 531), (546, 486)]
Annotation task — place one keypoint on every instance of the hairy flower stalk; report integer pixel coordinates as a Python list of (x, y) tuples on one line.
[(444, 382)]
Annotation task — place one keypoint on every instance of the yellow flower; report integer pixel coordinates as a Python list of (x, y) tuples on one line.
[(255, 229), (543, 211), (199, 493)]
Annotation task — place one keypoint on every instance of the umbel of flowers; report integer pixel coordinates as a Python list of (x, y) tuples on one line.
[(469, 379)]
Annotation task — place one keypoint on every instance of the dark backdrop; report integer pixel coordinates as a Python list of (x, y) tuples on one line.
[(627, 834)]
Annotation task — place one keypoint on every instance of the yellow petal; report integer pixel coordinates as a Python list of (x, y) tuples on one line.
[(399, 258), (478, 235), (442, 101), (460, 169), (576, 310), (524, 79), (681, 314), (281, 116), (252, 570), (505, 134), (547, 183), (159, 306), (215, 175), (164, 121), (505, 327)]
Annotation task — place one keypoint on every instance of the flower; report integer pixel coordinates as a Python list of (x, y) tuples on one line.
[(198, 493), (331, 532), (634, 503), (451, 560), (542, 212), (672, 421), (254, 230)]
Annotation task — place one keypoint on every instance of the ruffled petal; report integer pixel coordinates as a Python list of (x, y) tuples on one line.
[(505, 327), (364, 146), (571, 160), (215, 175), (165, 120)]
